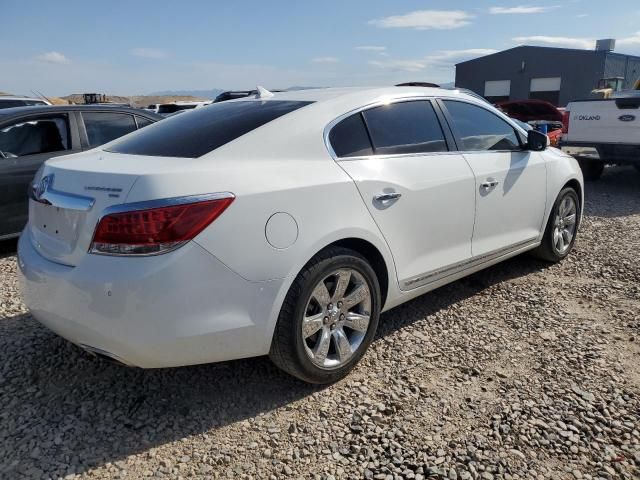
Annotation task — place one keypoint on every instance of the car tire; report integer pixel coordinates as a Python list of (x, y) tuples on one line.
[(321, 356), (559, 220), (591, 169)]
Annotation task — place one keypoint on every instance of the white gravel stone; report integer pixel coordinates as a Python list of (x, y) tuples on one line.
[(522, 371)]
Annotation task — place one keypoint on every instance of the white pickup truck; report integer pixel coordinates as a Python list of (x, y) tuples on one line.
[(609, 126)]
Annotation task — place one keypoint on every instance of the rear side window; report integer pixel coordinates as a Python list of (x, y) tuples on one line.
[(142, 121), (405, 127), (102, 127), (11, 103), (34, 136), (349, 138), (204, 129), (481, 130)]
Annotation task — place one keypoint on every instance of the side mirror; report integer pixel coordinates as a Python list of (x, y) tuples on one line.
[(536, 141)]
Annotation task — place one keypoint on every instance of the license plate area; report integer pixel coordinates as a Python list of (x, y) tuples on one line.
[(55, 229)]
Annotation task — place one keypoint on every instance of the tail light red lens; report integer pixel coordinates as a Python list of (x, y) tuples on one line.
[(152, 231), (566, 115)]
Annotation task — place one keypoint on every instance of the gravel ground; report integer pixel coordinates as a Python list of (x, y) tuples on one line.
[(523, 370)]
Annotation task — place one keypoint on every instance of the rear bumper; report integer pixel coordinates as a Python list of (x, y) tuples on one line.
[(609, 152), (182, 308)]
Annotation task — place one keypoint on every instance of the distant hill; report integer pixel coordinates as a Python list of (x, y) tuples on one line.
[(214, 92), (208, 94), (301, 88), (140, 100)]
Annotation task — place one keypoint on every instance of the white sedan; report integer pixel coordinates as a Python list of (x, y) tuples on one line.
[(284, 224)]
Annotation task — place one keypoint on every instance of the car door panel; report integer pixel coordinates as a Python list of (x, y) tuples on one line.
[(510, 182), (430, 226), (17, 172), (420, 194), (510, 212)]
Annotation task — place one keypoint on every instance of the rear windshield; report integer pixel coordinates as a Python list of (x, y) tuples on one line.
[(204, 129)]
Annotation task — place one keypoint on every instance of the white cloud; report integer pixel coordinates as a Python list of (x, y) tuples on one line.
[(568, 42), (633, 40), (439, 60), (53, 57), (373, 49), (426, 20), (582, 15), (522, 9), (154, 53), (400, 65), (630, 44), (454, 56), (325, 60)]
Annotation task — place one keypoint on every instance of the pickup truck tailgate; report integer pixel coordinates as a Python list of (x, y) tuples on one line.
[(605, 121)]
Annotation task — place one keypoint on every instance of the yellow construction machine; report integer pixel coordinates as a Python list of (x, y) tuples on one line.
[(607, 87)]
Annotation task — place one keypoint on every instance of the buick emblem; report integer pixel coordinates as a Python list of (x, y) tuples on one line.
[(627, 118), (45, 184)]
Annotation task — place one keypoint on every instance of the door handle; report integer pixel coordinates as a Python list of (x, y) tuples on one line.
[(489, 183), (385, 197)]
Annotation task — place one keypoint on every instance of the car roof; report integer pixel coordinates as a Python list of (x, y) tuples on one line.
[(7, 113), (354, 93), (17, 97)]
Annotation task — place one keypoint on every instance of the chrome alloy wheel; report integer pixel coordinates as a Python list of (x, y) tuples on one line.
[(336, 318), (564, 225)]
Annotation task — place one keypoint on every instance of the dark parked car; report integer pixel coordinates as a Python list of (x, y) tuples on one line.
[(31, 135)]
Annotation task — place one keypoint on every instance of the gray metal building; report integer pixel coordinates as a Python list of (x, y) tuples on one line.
[(558, 75)]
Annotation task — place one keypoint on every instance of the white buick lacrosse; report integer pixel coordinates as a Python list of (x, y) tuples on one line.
[(284, 224)]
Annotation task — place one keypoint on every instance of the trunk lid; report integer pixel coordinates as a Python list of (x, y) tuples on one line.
[(71, 193)]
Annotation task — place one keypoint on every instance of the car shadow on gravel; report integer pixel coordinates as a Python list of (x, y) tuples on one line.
[(443, 297), (8, 247), (615, 194), (89, 412), (61, 406)]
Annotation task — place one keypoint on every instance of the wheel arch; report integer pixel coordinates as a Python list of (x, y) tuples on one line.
[(575, 184), (375, 258)]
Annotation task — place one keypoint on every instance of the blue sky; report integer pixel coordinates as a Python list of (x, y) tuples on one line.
[(141, 46)]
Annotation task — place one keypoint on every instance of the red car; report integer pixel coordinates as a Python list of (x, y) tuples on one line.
[(536, 112)]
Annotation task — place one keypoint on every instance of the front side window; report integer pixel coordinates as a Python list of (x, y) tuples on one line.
[(405, 127), (481, 130), (204, 129), (34, 136), (102, 127)]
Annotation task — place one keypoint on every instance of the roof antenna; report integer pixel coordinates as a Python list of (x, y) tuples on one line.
[(263, 92)]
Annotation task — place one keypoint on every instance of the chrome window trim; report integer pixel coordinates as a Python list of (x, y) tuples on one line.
[(146, 205), (497, 113), (377, 103), (8, 236)]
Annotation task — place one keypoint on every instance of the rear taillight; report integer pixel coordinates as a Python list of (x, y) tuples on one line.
[(566, 116), (146, 229)]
